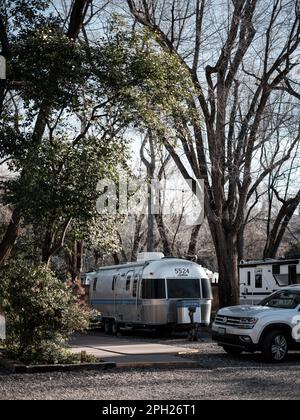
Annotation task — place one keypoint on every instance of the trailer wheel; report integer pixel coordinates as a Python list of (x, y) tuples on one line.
[(107, 326)]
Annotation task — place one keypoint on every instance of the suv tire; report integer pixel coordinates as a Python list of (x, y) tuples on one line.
[(275, 347)]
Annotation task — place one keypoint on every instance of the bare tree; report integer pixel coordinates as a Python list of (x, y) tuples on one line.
[(238, 54), (150, 167)]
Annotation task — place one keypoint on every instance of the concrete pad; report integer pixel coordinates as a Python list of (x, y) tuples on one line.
[(136, 349), (132, 353)]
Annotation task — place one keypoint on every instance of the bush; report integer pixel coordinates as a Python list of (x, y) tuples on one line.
[(42, 313)]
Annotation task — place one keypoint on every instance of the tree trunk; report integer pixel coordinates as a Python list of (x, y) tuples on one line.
[(116, 258), (138, 236), (150, 231), (10, 237), (192, 250), (163, 235), (241, 243), (280, 226), (47, 247), (79, 259), (150, 177), (227, 253)]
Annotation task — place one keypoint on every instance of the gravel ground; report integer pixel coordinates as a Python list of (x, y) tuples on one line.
[(218, 377)]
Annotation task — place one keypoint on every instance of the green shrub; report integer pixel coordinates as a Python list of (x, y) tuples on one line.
[(41, 314)]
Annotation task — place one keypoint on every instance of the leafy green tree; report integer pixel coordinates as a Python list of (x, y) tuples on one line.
[(43, 54), (58, 194), (42, 313), (59, 134)]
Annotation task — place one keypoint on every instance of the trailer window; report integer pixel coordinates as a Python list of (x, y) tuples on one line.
[(258, 281), (206, 289), (153, 289), (134, 287), (114, 282), (282, 279), (95, 284), (293, 274), (184, 289), (128, 280), (276, 269), (249, 278)]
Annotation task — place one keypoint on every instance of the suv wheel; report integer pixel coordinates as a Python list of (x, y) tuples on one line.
[(275, 347), (233, 351)]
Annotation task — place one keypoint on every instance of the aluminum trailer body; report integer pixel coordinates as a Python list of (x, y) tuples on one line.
[(152, 293)]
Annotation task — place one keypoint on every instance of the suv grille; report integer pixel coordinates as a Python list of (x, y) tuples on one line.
[(230, 321)]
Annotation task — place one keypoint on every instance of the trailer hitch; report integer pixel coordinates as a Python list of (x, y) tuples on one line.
[(193, 334)]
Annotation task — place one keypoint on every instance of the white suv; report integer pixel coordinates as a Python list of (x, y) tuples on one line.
[(273, 327)]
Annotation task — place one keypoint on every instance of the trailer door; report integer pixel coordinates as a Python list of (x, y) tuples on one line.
[(117, 288), (293, 275), (136, 294), (263, 283)]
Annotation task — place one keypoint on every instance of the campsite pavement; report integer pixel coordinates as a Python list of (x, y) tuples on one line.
[(217, 376)]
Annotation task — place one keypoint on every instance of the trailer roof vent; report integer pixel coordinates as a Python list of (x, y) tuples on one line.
[(150, 256)]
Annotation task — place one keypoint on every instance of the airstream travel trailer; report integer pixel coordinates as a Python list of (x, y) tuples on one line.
[(260, 278), (153, 292)]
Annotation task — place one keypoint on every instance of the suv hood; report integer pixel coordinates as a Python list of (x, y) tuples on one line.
[(244, 311)]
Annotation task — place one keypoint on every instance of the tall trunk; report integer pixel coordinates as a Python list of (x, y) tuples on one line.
[(47, 247), (116, 258), (69, 262), (241, 243), (150, 176), (150, 231), (10, 237), (167, 250), (2, 94), (192, 250), (227, 254), (138, 236), (79, 259), (280, 226)]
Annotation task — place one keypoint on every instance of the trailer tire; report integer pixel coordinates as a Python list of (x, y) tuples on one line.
[(107, 326)]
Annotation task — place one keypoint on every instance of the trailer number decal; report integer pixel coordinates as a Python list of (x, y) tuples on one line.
[(182, 272)]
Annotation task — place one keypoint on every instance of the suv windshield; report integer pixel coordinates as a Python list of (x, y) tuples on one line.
[(282, 300)]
